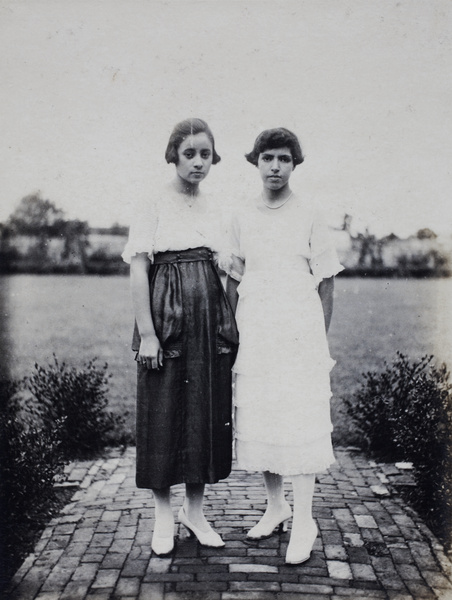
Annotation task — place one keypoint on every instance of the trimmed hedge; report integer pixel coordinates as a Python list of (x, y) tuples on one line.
[(78, 398), (57, 414), (405, 413)]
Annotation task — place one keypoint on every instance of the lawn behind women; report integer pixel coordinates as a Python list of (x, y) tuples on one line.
[(81, 317)]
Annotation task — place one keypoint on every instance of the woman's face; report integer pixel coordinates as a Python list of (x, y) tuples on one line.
[(275, 167), (195, 158)]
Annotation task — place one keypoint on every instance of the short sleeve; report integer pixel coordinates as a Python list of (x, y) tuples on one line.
[(232, 260), (142, 231), (324, 261)]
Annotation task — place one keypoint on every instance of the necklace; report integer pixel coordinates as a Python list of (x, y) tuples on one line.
[(189, 199), (279, 205)]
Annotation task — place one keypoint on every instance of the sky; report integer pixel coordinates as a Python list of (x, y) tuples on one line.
[(91, 90)]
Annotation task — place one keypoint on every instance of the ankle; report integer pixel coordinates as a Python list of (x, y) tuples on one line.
[(281, 503), (277, 507), (302, 525), (196, 516), (164, 522)]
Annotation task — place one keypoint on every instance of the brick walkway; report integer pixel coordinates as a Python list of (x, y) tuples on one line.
[(370, 544)]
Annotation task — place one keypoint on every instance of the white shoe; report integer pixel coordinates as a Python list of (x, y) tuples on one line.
[(162, 545), (265, 528), (205, 538), (299, 550)]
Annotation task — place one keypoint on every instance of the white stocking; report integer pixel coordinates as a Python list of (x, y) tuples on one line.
[(303, 493), (304, 529), (164, 518), (193, 505), (274, 484), (278, 511)]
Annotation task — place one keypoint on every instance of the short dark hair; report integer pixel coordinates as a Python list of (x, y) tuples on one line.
[(276, 138), (181, 131)]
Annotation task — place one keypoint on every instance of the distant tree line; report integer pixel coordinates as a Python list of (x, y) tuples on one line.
[(35, 216), (420, 255), (38, 238)]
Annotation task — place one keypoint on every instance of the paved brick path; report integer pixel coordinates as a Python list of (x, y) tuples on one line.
[(370, 544)]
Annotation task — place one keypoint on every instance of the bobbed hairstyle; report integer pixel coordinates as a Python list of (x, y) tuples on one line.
[(181, 131), (276, 138)]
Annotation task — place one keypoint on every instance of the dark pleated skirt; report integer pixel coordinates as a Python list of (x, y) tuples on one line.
[(184, 422)]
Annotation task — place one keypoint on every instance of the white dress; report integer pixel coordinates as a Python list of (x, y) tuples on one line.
[(282, 388)]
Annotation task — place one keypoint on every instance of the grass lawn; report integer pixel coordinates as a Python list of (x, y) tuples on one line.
[(81, 317)]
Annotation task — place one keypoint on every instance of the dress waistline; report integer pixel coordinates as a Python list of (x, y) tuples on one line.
[(190, 255)]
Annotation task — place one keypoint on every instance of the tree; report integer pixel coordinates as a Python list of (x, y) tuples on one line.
[(43, 221), (34, 216), (117, 229), (346, 224), (426, 234)]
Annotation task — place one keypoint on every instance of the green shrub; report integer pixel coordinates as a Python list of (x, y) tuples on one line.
[(55, 415), (31, 453), (77, 398), (370, 410), (31, 459), (405, 413)]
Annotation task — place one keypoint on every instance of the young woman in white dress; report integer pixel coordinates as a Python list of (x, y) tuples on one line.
[(281, 283)]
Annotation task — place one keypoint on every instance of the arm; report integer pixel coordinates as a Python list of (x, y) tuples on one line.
[(326, 289), (150, 349), (231, 292)]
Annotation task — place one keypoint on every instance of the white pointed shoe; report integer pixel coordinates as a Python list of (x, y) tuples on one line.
[(205, 538), (299, 551), (265, 529), (162, 546)]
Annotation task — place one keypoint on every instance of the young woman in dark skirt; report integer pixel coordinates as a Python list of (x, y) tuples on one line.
[(185, 340)]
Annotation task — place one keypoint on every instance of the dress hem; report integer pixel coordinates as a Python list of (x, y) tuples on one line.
[(284, 472)]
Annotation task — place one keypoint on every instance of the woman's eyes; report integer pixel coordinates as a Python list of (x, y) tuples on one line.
[(284, 159), (190, 154)]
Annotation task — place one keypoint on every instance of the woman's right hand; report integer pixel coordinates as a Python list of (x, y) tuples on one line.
[(151, 352)]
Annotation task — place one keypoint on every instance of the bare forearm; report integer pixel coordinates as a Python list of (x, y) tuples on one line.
[(150, 352), (140, 295), (326, 293)]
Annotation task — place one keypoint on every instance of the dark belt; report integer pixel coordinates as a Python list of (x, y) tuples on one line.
[(190, 255)]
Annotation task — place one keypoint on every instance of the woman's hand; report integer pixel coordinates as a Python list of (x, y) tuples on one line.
[(151, 352)]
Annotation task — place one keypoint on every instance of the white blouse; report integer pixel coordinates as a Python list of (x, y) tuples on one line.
[(169, 222), (293, 236)]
